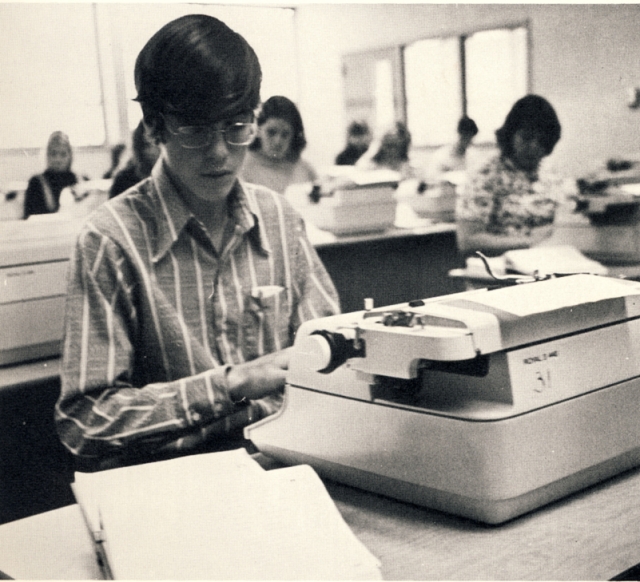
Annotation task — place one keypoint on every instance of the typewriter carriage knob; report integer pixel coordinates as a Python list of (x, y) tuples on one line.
[(324, 351)]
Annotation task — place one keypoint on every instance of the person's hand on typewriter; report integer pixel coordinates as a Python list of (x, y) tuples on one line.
[(259, 377)]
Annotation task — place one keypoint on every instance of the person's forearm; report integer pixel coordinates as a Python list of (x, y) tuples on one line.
[(106, 420)]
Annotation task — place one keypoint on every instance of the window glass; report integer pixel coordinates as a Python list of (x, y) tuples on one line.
[(385, 114), (433, 90), (49, 64), (136, 23), (496, 76)]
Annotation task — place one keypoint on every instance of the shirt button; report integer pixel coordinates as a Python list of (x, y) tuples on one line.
[(195, 416)]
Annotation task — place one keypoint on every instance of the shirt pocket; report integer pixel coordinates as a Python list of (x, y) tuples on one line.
[(266, 320)]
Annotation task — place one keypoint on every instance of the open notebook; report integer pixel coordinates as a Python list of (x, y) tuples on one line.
[(219, 516)]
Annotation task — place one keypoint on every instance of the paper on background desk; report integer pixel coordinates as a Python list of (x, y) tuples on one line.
[(221, 516), (555, 294), (543, 259), (552, 259)]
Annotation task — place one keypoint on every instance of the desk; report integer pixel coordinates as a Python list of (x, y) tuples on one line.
[(474, 280), (35, 469), (54, 545), (591, 535), (29, 374), (392, 267)]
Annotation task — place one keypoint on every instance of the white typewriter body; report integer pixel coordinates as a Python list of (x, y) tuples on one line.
[(485, 404), (349, 201), (34, 260)]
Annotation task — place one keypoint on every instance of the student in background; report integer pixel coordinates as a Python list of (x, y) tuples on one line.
[(274, 159), (43, 191), (391, 152), (186, 291), (116, 154), (452, 158), (509, 203), (145, 152), (358, 141)]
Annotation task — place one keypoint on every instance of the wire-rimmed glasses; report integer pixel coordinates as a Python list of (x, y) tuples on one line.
[(201, 136)]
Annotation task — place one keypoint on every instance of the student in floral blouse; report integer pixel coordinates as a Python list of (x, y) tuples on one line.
[(507, 204)]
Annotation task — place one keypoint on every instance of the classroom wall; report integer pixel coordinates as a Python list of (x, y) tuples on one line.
[(584, 60), (19, 166)]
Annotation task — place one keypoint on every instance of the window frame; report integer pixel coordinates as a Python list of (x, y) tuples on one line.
[(462, 53), (90, 148), (112, 73)]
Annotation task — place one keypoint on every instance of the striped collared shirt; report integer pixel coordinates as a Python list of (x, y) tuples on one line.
[(155, 315)]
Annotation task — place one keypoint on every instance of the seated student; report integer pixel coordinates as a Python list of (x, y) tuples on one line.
[(116, 155), (186, 291), (43, 191), (274, 159), (391, 151), (145, 152), (508, 204), (358, 141), (452, 158)]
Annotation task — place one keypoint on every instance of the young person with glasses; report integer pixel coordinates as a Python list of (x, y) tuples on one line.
[(186, 290)]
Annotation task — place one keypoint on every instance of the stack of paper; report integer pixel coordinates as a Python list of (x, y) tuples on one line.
[(552, 259), (220, 516)]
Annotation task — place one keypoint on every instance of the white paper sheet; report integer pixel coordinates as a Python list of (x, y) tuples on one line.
[(221, 516)]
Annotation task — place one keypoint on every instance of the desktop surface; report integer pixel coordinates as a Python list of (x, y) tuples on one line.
[(590, 535)]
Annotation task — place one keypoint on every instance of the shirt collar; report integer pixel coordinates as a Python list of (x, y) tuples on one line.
[(176, 216), (531, 175)]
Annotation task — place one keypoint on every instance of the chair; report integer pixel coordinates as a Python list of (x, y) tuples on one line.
[(12, 201)]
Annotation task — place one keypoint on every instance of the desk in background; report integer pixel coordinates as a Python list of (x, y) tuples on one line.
[(392, 267), (35, 469), (591, 535), (473, 280)]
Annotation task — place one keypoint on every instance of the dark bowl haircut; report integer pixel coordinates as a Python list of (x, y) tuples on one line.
[(358, 128), (198, 69), (531, 112), (467, 126)]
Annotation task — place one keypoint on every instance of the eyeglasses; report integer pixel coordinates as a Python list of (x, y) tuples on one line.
[(200, 136)]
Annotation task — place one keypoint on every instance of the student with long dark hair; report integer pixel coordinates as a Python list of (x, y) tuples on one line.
[(508, 203), (275, 156)]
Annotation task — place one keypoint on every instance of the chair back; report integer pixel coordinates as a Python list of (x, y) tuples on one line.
[(12, 201)]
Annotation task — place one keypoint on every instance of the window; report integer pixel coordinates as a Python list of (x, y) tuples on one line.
[(136, 24), (373, 86), (480, 75), (385, 114), (70, 66), (433, 88), (50, 75), (496, 76)]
